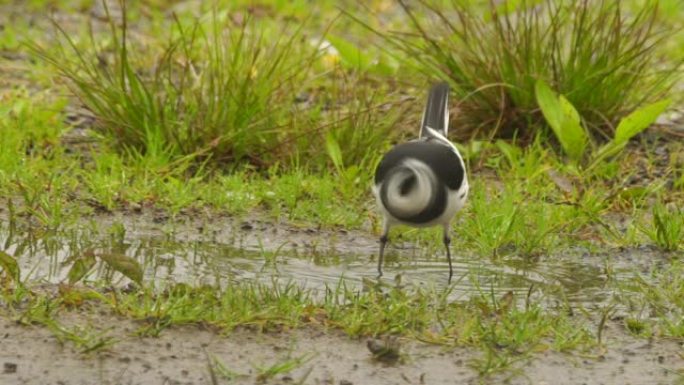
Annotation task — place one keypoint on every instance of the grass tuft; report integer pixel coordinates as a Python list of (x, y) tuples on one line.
[(218, 89), (667, 228), (602, 59)]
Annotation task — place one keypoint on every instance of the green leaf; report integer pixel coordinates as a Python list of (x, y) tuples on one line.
[(81, 266), (563, 119), (350, 54), (639, 120), (334, 151), (574, 136), (630, 126), (10, 266), (124, 265)]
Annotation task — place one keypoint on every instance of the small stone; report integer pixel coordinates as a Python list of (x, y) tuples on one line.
[(346, 382), (386, 349), (9, 368)]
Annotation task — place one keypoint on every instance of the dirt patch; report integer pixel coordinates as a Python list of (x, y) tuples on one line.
[(182, 355)]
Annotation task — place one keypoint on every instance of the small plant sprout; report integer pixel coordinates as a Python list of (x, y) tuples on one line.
[(666, 229), (565, 123)]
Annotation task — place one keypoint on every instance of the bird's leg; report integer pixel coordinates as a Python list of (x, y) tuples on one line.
[(447, 242), (383, 242)]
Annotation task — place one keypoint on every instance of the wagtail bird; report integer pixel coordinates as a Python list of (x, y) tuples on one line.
[(422, 183)]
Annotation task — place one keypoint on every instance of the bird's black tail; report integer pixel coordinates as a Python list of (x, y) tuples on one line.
[(436, 114)]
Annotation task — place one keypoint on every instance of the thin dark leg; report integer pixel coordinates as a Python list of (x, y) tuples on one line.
[(383, 242), (447, 242)]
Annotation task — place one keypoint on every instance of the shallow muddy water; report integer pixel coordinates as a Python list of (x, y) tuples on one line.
[(228, 250), (217, 254)]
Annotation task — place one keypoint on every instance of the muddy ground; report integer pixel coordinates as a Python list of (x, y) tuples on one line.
[(181, 355)]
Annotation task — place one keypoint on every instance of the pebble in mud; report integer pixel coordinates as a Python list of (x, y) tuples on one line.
[(9, 368), (385, 350)]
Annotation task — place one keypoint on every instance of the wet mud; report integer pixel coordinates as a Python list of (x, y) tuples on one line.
[(193, 356), (215, 250)]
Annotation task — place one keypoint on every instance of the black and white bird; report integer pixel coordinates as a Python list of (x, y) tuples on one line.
[(422, 182)]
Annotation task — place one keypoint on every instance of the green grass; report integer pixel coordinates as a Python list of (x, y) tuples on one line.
[(597, 55), (54, 185), (508, 329), (657, 295), (217, 93), (666, 229), (538, 210), (31, 127), (423, 314), (216, 90)]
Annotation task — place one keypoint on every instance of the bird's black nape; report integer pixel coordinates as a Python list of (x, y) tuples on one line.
[(436, 114)]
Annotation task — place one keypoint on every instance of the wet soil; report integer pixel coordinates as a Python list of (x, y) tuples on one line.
[(182, 355), (236, 248)]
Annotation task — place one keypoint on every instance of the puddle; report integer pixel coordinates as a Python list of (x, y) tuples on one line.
[(312, 259)]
